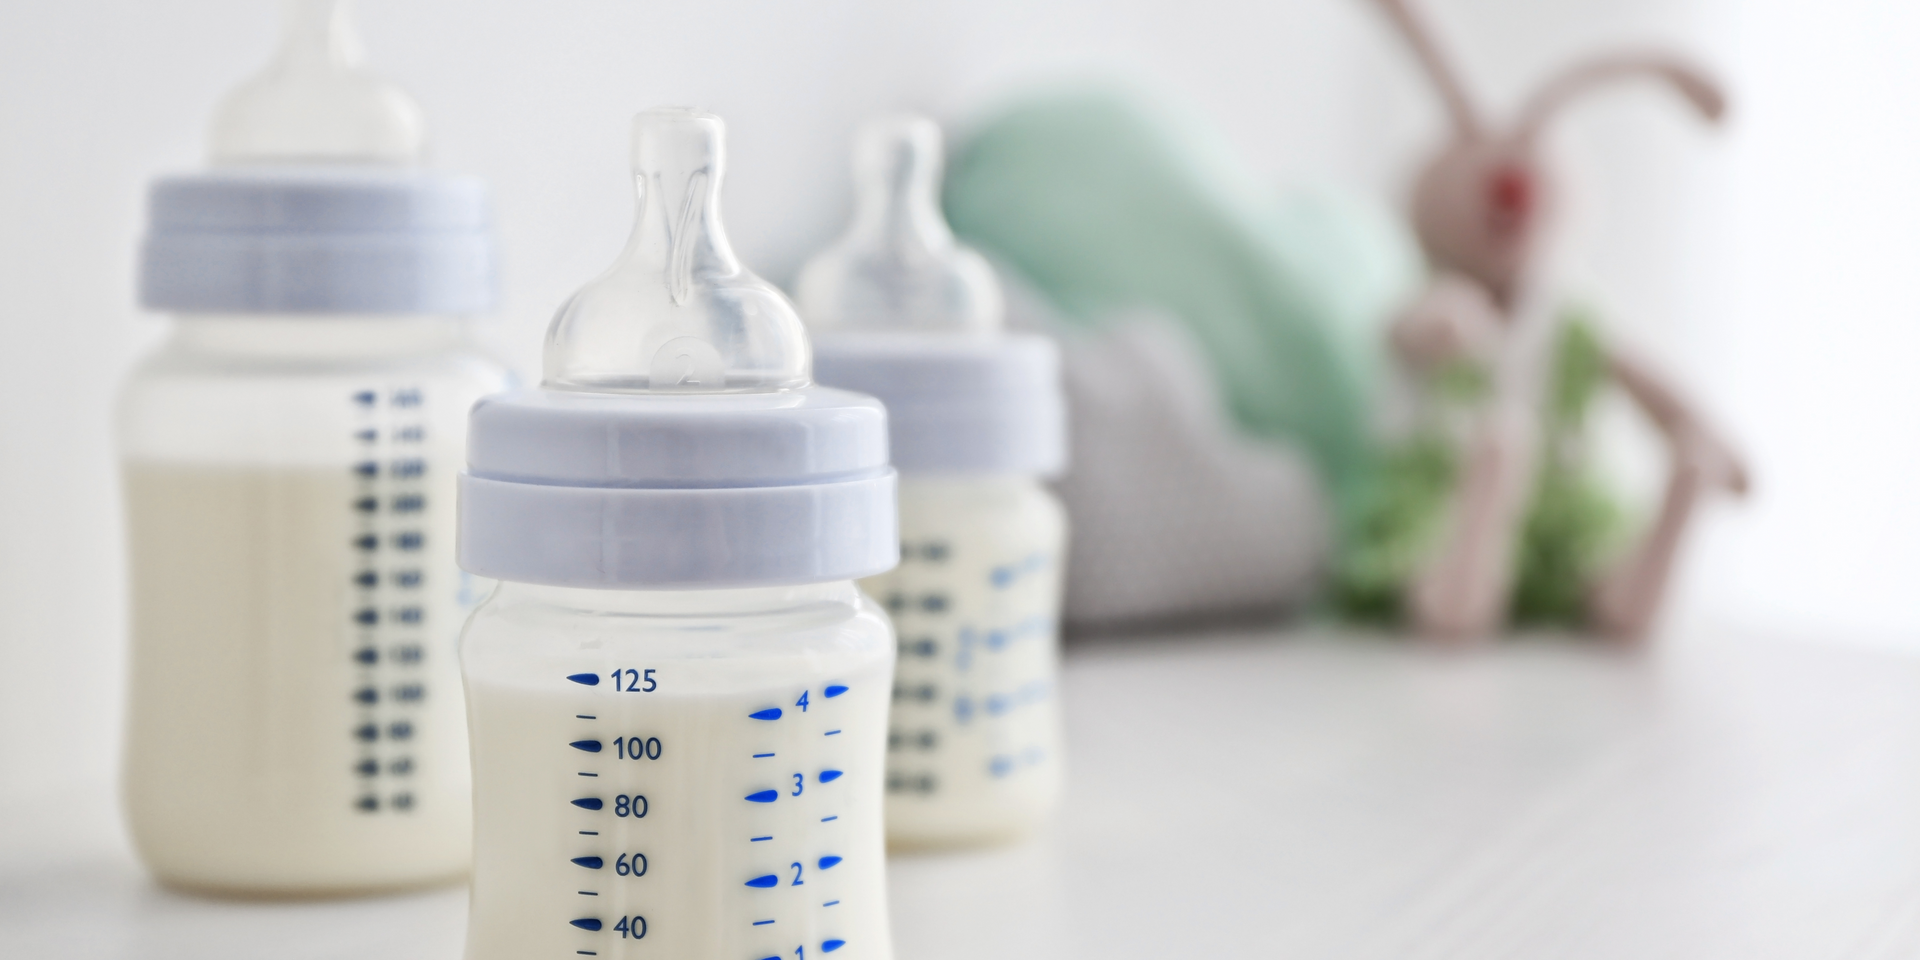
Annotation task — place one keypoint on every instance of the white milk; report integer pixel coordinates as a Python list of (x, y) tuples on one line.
[(686, 787), (974, 742), (295, 710)]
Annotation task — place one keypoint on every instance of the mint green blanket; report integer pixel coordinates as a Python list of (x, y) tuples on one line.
[(1107, 204)]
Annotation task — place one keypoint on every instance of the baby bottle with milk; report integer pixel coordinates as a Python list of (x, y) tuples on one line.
[(677, 695), (902, 312), (289, 456)]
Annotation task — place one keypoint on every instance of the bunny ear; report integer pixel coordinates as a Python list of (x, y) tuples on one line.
[(1426, 48), (1699, 89)]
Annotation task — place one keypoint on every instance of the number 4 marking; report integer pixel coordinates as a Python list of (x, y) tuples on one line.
[(802, 702)]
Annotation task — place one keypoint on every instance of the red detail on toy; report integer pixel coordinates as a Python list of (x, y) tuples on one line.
[(1510, 195)]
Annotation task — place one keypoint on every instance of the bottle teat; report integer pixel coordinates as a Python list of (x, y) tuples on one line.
[(315, 103), (677, 312), (898, 267)]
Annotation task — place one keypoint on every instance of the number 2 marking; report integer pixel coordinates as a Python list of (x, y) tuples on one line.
[(797, 882)]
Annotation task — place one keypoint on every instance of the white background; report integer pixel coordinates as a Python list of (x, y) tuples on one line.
[(1771, 261)]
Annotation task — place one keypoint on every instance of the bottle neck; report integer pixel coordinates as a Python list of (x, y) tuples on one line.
[(731, 602), (320, 337)]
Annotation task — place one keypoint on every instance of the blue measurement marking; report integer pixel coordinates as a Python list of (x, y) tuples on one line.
[(585, 774), (585, 716), (764, 796), (587, 893), (770, 713), (586, 923), (829, 862), (762, 756), (589, 833), (588, 803), (829, 946), (585, 679), (830, 733), (757, 839), (829, 776), (761, 923), (764, 882), (591, 863), (830, 903), (590, 746), (830, 819), (835, 689)]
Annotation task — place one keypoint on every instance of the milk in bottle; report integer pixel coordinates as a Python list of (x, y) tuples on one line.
[(288, 457), (901, 311), (677, 696)]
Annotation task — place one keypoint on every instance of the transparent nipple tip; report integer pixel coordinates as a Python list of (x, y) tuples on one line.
[(314, 102), (898, 267), (677, 312)]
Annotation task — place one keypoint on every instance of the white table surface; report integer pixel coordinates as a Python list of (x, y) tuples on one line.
[(1284, 796)]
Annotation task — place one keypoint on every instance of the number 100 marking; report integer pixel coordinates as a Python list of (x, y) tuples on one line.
[(637, 748)]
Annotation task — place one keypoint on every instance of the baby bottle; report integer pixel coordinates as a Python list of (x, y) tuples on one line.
[(677, 694), (902, 312), (289, 457)]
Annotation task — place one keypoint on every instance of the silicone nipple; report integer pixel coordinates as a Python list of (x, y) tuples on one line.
[(315, 103), (676, 312), (898, 266)]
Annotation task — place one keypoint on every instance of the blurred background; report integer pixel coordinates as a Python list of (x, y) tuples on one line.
[(1768, 263)]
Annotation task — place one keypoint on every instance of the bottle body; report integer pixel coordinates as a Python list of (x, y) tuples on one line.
[(974, 746), (295, 724), (695, 774)]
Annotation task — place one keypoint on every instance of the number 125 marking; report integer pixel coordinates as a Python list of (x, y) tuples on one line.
[(636, 681)]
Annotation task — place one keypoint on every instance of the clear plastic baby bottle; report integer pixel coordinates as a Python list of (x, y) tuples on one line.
[(677, 695), (900, 311), (289, 457)]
